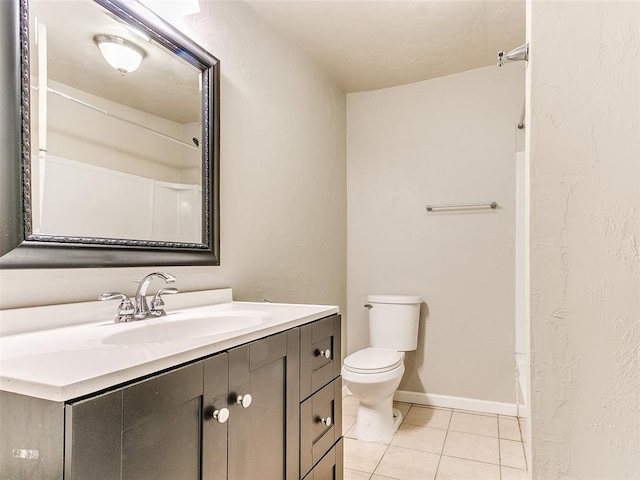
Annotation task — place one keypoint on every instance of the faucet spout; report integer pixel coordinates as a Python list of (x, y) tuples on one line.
[(141, 305)]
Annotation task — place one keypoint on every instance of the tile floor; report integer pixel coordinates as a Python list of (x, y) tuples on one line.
[(438, 444)]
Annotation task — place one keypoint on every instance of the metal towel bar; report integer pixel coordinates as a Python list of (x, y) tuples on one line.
[(493, 205)]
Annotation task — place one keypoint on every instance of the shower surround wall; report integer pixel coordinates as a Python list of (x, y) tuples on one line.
[(446, 140), (585, 239), (78, 133), (283, 179)]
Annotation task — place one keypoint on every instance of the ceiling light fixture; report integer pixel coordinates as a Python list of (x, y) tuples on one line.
[(121, 54)]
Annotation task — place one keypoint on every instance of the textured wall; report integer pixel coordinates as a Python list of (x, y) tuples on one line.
[(447, 140), (283, 179), (585, 239)]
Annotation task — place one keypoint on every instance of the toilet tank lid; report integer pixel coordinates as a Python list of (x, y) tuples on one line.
[(398, 299)]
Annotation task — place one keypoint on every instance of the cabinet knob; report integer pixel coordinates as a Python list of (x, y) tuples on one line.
[(327, 421), (323, 353), (221, 415), (244, 400)]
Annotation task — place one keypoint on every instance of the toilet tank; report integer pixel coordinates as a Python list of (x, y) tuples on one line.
[(393, 321)]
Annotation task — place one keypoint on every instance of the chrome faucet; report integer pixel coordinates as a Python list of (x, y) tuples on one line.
[(125, 309), (139, 308), (140, 301)]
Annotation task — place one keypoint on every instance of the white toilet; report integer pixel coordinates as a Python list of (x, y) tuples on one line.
[(373, 374)]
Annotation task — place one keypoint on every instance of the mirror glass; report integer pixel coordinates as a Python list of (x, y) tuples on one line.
[(110, 155), (114, 153)]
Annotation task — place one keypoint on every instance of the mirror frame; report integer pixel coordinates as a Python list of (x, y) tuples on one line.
[(19, 247)]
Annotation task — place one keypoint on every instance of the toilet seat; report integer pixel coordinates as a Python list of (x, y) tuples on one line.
[(372, 360)]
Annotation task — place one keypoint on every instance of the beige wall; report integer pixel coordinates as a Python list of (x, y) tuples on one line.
[(447, 140), (585, 237), (283, 179)]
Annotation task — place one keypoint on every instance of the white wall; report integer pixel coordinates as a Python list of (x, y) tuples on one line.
[(585, 239), (283, 179), (447, 140)]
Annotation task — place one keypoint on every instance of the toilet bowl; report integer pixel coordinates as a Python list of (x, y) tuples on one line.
[(373, 374)]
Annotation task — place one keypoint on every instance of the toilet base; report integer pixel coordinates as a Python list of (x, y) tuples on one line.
[(377, 422)]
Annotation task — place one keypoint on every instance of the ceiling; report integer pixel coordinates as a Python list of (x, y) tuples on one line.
[(362, 45), (366, 45), (164, 85)]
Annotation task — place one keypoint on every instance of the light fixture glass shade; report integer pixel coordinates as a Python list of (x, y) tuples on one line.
[(121, 54)]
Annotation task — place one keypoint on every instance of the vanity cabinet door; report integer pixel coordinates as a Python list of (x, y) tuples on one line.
[(162, 419), (261, 434), (147, 431), (93, 435)]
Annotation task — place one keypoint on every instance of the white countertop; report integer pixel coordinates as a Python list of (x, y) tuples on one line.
[(64, 363)]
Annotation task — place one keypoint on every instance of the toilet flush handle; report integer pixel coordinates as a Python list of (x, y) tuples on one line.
[(368, 305)]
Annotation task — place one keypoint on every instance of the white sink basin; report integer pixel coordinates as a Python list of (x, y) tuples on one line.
[(184, 325)]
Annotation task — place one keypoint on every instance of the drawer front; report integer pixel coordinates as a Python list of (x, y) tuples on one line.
[(320, 357), (331, 467), (316, 437)]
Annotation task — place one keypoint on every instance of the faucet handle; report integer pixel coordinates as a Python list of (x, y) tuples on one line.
[(157, 304), (125, 309)]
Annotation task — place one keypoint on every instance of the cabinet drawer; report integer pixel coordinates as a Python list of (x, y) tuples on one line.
[(320, 357), (316, 437), (331, 467)]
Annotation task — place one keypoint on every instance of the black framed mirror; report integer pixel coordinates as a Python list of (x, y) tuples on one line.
[(104, 165)]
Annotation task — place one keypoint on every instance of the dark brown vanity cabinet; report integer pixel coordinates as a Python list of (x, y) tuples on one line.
[(235, 415), (230, 416)]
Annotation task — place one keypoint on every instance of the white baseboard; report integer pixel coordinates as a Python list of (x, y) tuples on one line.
[(475, 405), (523, 411)]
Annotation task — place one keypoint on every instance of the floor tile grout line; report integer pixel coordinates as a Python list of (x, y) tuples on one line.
[(479, 461), (520, 430), (480, 435), (381, 458), (443, 444), (499, 451), (524, 456), (522, 435)]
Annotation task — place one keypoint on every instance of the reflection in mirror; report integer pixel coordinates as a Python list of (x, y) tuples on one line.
[(105, 161), (115, 152)]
